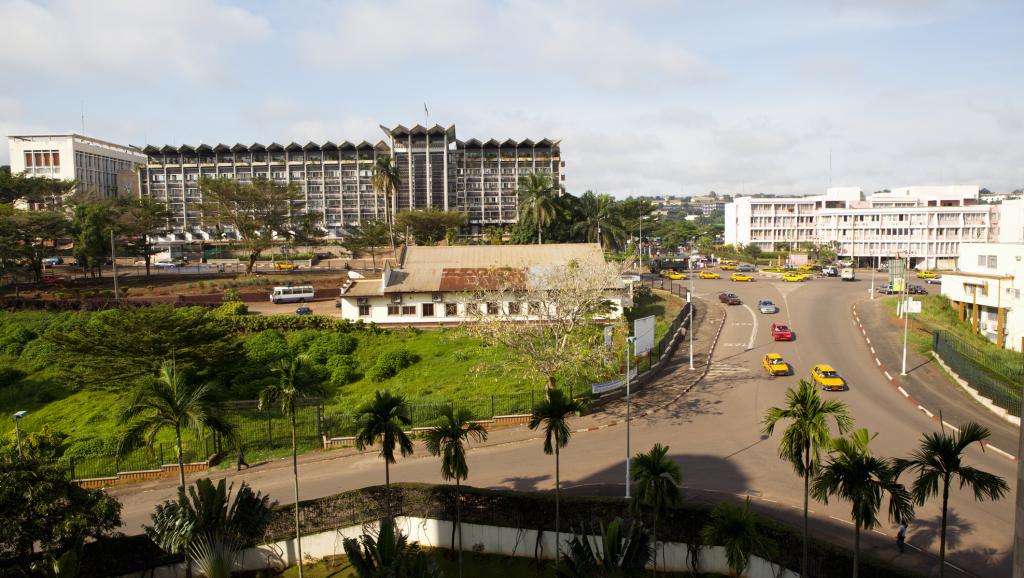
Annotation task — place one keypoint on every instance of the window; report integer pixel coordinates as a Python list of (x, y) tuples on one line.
[(28, 159), (492, 308), (428, 309), (408, 310), (394, 310), (987, 261), (364, 310), (513, 308), (451, 310)]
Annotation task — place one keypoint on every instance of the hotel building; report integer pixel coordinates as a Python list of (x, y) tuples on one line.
[(436, 170), (928, 222)]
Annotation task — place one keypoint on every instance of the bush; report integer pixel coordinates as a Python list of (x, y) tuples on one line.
[(330, 344), (232, 296), (265, 347), (389, 363), (230, 309), (10, 376), (343, 369)]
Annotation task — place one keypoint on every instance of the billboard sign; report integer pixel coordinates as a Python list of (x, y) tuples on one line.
[(643, 331), (606, 386), (913, 306)]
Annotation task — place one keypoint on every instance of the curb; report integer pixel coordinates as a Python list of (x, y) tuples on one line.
[(906, 395)]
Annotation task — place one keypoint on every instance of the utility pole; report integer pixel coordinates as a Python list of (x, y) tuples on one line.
[(629, 341), (113, 262), (689, 306)]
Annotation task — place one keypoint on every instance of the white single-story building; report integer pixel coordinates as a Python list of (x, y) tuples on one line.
[(439, 285), (986, 291)]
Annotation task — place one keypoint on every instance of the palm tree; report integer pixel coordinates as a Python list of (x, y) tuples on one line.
[(735, 529), (388, 554), (538, 200), (853, 474), (386, 180), (598, 221), (553, 414), (448, 441), (381, 420), (170, 401), (292, 385), (939, 459), (807, 434), (625, 549), (657, 480)]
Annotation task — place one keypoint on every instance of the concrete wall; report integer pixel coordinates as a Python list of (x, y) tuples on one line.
[(517, 542)]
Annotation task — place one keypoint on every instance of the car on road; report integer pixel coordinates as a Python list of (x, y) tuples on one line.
[(781, 332), (709, 275), (303, 310), (730, 298), (53, 279), (886, 289), (775, 365), (672, 274), (927, 274), (51, 261), (176, 263), (285, 266), (827, 377), (917, 290), (793, 277), (767, 306), (934, 280), (829, 271), (746, 268), (728, 267), (743, 277)]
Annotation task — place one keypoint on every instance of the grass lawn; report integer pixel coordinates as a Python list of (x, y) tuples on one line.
[(662, 304)]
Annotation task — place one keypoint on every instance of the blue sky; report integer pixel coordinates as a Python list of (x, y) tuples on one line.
[(647, 96)]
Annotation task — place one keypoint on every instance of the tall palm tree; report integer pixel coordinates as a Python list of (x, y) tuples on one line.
[(553, 413), (939, 460), (853, 474), (386, 180), (538, 200), (657, 480), (380, 421), (598, 220), (448, 441), (624, 551), (293, 384), (170, 401), (735, 529), (807, 435)]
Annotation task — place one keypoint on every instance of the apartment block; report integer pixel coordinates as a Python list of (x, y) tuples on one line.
[(436, 170), (99, 166), (987, 291)]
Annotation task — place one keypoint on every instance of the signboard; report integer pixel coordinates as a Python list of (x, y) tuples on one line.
[(643, 330), (606, 386), (913, 306)]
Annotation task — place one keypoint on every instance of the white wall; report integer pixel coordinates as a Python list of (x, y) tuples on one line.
[(1011, 221)]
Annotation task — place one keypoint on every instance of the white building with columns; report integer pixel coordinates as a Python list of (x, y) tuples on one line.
[(95, 165)]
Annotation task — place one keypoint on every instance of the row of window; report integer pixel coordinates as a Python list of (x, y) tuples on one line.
[(452, 309), (48, 158)]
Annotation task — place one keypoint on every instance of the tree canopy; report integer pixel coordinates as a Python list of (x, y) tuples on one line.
[(429, 226)]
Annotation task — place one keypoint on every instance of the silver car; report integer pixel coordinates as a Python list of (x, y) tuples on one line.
[(767, 306)]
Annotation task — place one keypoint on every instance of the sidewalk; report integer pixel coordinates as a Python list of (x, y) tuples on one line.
[(926, 383)]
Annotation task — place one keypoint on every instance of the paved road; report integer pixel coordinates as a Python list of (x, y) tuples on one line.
[(714, 433)]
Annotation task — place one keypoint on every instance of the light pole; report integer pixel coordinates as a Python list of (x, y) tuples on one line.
[(113, 264), (17, 430), (906, 315), (874, 267), (629, 341), (689, 312)]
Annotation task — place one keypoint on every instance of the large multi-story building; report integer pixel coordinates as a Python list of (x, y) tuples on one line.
[(987, 291), (436, 170), (95, 165), (926, 223)]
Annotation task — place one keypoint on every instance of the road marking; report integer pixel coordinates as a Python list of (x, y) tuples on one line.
[(862, 332), (915, 547), (951, 426), (887, 376), (926, 412), (878, 363), (955, 567), (903, 391), (879, 533), (868, 339), (841, 520), (999, 451), (873, 352), (753, 332), (767, 500)]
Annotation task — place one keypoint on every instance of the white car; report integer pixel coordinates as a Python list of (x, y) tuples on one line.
[(934, 280), (767, 306)]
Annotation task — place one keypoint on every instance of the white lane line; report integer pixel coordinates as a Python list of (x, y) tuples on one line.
[(873, 352), (926, 412), (955, 567), (878, 363), (862, 332), (903, 391), (887, 376), (841, 520), (767, 500), (915, 547), (999, 451), (950, 426), (753, 332), (879, 533), (868, 339)]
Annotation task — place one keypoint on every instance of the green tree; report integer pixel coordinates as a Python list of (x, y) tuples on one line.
[(294, 384), (389, 554), (171, 402), (448, 441), (33, 189), (92, 224), (386, 181), (254, 212), (806, 436), (29, 237), (367, 236), (380, 421), (598, 220), (428, 226), (624, 551), (538, 200), (939, 461), (40, 505), (552, 414), (141, 220), (656, 480), (735, 528), (853, 474)]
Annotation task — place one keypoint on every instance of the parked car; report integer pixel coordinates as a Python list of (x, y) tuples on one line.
[(730, 298), (927, 274), (746, 268), (742, 277), (175, 263), (285, 266), (847, 274), (781, 332), (53, 279), (775, 365), (709, 275), (767, 306), (728, 267), (51, 261), (934, 280), (672, 274), (826, 377), (793, 277), (886, 289), (829, 271), (303, 310), (917, 290)]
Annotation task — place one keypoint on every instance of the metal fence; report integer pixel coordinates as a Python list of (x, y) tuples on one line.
[(194, 449), (992, 378)]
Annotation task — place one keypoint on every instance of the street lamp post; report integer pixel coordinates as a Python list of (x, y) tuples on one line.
[(17, 430), (689, 313), (629, 341)]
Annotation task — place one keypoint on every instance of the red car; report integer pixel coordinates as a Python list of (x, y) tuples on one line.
[(53, 279), (781, 333)]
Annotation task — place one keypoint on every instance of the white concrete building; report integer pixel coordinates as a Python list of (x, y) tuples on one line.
[(986, 291), (95, 165), (437, 285), (928, 222)]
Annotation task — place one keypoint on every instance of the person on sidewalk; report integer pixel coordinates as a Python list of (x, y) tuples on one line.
[(241, 459), (901, 537)]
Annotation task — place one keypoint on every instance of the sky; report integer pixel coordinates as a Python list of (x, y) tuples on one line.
[(646, 96)]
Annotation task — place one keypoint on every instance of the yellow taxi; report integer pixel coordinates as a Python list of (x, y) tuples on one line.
[(672, 274), (741, 277), (792, 278), (728, 266), (775, 365), (285, 266), (927, 275), (709, 275), (826, 377)]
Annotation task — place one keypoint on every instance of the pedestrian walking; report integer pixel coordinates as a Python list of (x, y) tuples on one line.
[(241, 459), (901, 537)]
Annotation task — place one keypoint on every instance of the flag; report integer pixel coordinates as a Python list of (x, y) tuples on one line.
[(426, 110)]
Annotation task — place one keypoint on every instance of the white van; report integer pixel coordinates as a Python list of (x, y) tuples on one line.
[(297, 294)]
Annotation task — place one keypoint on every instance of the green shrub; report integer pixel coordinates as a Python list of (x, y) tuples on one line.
[(232, 296), (10, 376), (298, 341), (389, 363), (329, 344), (265, 347), (343, 369), (230, 309)]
